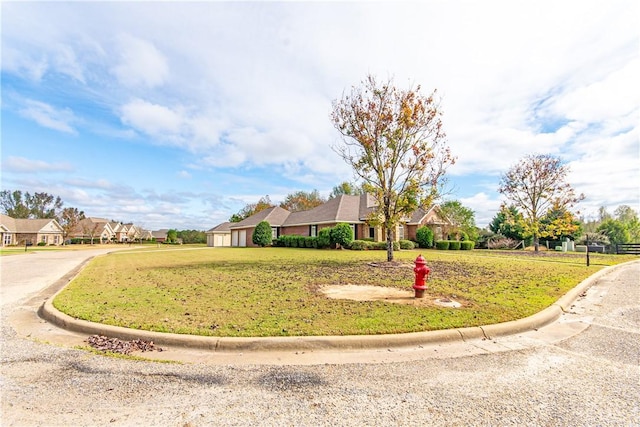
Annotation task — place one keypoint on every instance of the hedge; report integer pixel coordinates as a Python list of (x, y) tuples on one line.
[(364, 245), (406, 244), (467, 245), (442, 244), (454, 245)]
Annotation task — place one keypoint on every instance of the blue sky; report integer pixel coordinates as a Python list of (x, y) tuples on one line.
[(178, 114)]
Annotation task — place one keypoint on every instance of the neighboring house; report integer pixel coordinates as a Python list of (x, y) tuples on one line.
[(160, 235), (219, 235), (94, 230), (134, 233), (146, 234), (353, 210), (121, 231), (18, 231)]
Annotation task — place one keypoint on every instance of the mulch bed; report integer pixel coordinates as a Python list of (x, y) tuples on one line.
[(116, 345)]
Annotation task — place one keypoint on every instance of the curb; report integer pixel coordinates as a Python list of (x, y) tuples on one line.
[(308, 343)]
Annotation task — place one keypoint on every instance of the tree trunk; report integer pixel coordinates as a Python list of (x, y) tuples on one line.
[(536, 243), (389, 244)]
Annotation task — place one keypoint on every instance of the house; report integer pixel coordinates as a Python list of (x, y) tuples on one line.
[(93, 230), (275, 216), (160, 235), (18, 231), (353, 210), (219, 235), (432, 218), (121, 231)]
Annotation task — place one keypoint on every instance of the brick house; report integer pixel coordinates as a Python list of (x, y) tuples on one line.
[(353, 210)]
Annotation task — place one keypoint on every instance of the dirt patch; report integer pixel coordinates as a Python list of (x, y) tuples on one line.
[(391, 264), (378, 293)]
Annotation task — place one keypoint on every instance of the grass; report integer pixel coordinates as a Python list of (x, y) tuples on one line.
[(244, 292)]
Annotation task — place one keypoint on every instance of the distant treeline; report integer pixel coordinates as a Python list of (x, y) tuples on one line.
[(192, 236)]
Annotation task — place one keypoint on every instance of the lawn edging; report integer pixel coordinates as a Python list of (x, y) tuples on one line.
[(307, 343)]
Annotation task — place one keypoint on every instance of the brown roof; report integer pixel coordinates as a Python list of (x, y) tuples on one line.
[(420, 214), (275, 216), (221, 228), (21, 225), (343, 208)]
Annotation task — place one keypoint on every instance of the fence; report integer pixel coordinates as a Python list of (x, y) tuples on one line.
[(628, 248)]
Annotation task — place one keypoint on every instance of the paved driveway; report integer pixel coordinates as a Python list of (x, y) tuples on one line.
[(25, 274), (582, 370)]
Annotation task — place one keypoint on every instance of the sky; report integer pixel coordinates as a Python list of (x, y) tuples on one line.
[(179, 114)]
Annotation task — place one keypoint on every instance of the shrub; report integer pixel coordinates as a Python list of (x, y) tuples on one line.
[(424, 237), (467, 245), (442, 245), (406, 244), (42, 244), (262, 234), (360, 245), (383, 246), (454, 245), (324, 238), (463, 236), (310, 242), (341, 234), (502, 243)]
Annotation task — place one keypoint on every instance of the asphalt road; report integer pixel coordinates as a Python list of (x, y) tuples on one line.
[(25, 274), (580, 371)]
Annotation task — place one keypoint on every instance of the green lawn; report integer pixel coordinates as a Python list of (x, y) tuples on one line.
[(244, 292)]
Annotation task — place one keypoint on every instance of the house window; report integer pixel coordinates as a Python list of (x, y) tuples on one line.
[(274, 233), (313, 230), (7, 239), (401, 232), (372, 232), (55, 240), (353, 229), (44, 239)]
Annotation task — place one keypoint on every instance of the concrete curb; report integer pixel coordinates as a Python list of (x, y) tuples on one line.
[(352, 342)]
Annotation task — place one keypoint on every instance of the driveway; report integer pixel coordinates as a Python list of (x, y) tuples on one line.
[(581, 370), (25, 274)]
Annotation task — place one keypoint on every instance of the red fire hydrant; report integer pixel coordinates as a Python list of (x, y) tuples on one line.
[(422, 274)]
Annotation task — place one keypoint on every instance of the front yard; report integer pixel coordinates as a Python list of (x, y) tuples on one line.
[(243, 292)]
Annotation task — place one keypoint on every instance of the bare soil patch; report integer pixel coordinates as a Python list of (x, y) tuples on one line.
[(376, 293)]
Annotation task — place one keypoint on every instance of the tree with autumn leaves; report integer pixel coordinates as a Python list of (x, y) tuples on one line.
[(537, 187), (394, 141)]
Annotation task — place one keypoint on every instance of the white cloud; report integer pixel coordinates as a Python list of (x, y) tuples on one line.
[(48, 116), (616, 95), (484, 207), (24, 165), (140, 63), (153, 119)]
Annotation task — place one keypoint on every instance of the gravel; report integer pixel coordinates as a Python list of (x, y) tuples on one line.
[(592, 378)]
